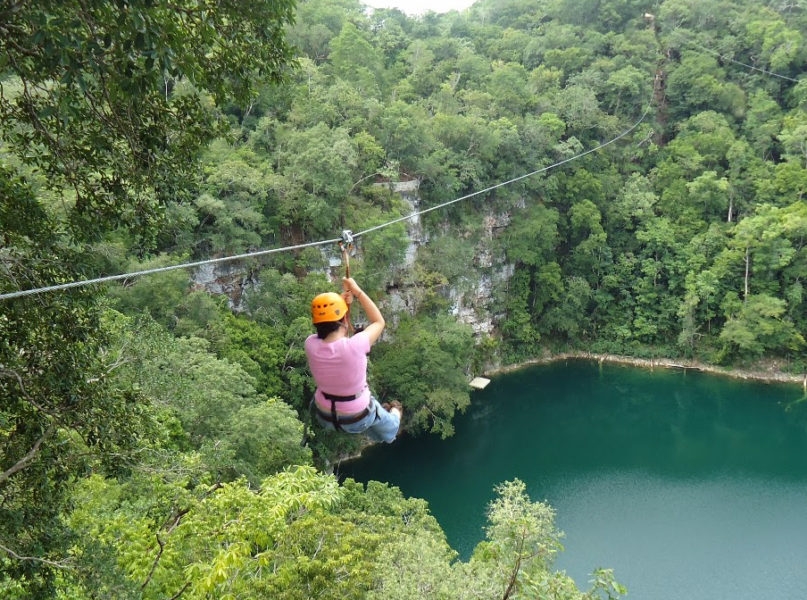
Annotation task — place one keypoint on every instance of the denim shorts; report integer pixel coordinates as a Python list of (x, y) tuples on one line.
[(380, 425)]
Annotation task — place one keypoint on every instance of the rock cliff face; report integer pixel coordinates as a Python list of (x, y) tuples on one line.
[(471, 299), (487, 272), (230, 278), (414, 226)]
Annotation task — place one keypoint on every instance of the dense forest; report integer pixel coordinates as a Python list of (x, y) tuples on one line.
[(619, 176)]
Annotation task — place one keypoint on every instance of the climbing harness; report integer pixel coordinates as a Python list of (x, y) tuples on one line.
[(338, 421), (334, 418)]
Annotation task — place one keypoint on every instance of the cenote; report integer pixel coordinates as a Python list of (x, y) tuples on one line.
[(687, 485)]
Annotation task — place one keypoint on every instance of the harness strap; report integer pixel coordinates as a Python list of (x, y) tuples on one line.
[(334, 398), (334, 417), (337, 420)]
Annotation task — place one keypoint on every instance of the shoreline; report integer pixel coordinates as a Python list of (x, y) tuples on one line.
[(771, 375)]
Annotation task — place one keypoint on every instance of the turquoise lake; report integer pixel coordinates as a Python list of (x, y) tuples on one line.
[(689, 486)]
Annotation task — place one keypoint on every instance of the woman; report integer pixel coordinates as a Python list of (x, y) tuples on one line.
[(338, 363)]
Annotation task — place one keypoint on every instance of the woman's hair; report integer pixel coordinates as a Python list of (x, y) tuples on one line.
[(327, 328)]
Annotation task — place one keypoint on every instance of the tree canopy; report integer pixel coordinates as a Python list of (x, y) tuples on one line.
[(154, 433)]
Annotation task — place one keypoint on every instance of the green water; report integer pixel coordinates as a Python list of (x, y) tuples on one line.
[(689, 486)]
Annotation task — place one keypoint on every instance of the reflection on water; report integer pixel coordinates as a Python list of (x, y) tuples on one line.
[(690, 486)]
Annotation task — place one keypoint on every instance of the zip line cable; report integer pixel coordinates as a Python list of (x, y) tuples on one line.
[(691, 42), (508, 182), (623, 134), (200, 263), (742, 64)]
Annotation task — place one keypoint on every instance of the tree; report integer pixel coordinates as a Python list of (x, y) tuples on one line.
[(765, 241), (569, 317), (625, 86), (237, 430), (706, 282), (533, 236), (591, 254), (438, 347), (471, 146), (759, 327), (515, 559), (234, 203), (267, 438), (763, 122), (632, 207), (657, 275), (316, 170), (710, 193), (159, 295), (780, 45), (259, 348), (59, 413), (698, 84), (318, 22), (405, 134), (112, 103), (172, 537), (794, 138), (354, 59), (508, 84)]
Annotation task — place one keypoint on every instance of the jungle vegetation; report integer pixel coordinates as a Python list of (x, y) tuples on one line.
[(154, 436)]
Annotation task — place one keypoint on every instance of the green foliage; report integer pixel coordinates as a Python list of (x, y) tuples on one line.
[(300, 535), (59, 412), (224, 541), (234, 427), (354, 59), (515, 561), (267, 438), (232, 209), (160, 295), (532, 238), (439, 348), (260, 349), (451, 256), (521, 543), (114, 100), (759, 326), (684, 236)]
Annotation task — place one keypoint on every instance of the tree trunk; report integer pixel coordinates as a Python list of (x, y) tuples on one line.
[(747, 270)]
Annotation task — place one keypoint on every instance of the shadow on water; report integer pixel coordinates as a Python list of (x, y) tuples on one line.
[(664, 475)]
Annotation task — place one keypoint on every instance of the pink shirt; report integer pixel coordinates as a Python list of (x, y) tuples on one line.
[(340, 368)]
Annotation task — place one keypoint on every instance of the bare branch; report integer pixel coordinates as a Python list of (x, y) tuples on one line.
[(28, 458), (181, 591), (169, 528), (34, 403), (154, 564), (511, 586), (44, 561)]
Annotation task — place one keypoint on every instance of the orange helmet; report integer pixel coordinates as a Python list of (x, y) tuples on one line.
[(329, 306)]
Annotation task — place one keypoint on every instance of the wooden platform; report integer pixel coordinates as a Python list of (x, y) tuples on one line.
[(479, 383)]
